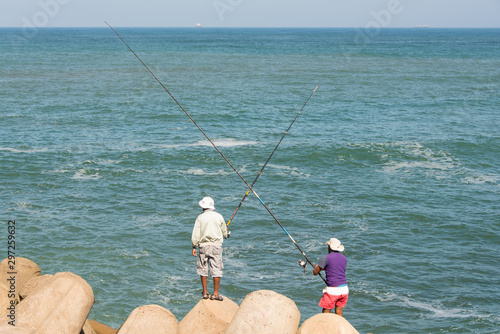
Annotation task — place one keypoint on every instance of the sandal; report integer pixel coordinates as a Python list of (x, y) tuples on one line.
[(206, 295), (218, 297)]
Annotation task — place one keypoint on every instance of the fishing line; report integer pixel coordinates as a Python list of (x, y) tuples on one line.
[(262, 169), (219, 151)]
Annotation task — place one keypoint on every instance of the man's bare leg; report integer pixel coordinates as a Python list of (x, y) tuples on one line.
[(216, 285), (325, 310), (204, 285), (338, 311)]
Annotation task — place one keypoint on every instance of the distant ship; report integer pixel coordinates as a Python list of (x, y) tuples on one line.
[(198, 25), (422, 26)]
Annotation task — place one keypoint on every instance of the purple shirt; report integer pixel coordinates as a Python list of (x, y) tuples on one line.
[(334, 265)]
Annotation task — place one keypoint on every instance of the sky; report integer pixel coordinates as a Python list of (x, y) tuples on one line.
[(250, 13)]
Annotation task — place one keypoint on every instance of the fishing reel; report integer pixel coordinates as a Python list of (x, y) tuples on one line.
[(303, 264)]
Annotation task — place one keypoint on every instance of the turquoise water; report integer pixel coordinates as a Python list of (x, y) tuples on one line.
[(397, 154)]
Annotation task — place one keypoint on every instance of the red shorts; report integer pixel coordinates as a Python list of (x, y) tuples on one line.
[(330, 301)]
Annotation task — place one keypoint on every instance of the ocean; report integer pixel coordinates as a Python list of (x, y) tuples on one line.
[(397, 154)]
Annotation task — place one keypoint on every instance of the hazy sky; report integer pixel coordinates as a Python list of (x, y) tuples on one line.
[(250, 13)]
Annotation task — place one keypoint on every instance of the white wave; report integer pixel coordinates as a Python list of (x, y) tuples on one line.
[(382, 146), (427, 159), (133, 170), (279, 167), (24, 205), (229, 142), (430, 165), (62, 171), (234, 263), (290, 171), (358, 224), (199, 171), (219, 143), (82, 174), (481, 179), (108, 162), (13, 150), (439, 164), (435, 309), (440, 312), (167, 146), (158, 296), (125, 253), (242, 170)]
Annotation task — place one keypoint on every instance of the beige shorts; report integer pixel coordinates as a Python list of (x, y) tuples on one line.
[(210, 256)]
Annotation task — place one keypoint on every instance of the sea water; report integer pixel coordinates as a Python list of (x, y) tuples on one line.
[(397, 154)]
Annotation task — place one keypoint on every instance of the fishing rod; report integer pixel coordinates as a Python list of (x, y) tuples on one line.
[(217, 149), (265, 164)]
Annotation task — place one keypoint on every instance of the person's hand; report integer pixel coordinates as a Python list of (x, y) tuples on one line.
[(194, 252)]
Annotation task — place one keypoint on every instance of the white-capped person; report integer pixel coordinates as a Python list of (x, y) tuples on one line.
[(209, 232), (334, 264)]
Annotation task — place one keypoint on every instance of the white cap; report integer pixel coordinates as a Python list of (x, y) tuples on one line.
[(207, 203), (335, 245)]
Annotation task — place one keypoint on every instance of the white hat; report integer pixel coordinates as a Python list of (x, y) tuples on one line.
[(207, 203), (335, 245)]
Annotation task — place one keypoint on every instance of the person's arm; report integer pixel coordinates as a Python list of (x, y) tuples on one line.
[(223, 228), (195, 237), (317, 269), (321, 266)]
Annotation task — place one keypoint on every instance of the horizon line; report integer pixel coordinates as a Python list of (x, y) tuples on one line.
[(257, 27)]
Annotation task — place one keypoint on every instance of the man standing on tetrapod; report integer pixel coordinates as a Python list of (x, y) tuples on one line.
[(334, 264), (209, 232)]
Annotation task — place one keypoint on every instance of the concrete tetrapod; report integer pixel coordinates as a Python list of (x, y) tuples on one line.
[(151, 319), (24, 269), (33, 284), (208, 317), (13, 275), (88, 329), (326, 323), (5, 303), (59, 306), (265, 311), (8, 329), (101, 328)]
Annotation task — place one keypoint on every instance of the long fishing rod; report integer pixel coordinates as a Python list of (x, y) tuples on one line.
[(217, 149), (265, 164)]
